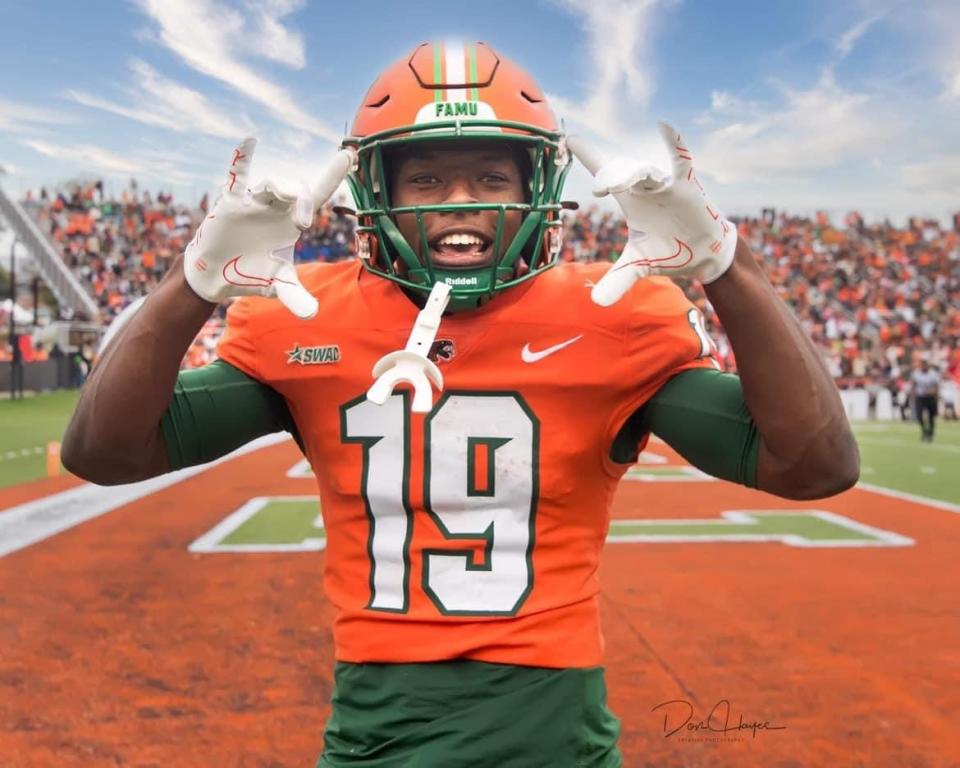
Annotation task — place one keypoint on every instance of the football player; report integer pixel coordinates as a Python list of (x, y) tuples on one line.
[(464, 525)]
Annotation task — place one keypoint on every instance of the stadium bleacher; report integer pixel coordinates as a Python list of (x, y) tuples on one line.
[(875, 297)]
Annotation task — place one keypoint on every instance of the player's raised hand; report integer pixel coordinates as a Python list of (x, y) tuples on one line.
[(245, 244), (674, 228)]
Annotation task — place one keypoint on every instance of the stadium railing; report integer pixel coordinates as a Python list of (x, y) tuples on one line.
[(56, 274)]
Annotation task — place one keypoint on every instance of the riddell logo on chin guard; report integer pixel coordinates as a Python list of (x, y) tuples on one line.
[(460, 280)]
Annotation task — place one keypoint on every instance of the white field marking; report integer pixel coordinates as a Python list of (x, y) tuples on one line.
[(867, 471), (209, 541), (685, 474), (9, 455), (895, 443), (642, 477), (40, 519), (872, 428), (928, 470), (300, 470), (649, 457), (925, 500), (748, 516)]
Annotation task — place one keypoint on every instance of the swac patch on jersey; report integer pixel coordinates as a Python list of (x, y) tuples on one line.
[(320, 355), (442, 351)]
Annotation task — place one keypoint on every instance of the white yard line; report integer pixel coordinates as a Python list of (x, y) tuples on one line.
[(40, 519), (895, 443), (949, 507), (22, 453)]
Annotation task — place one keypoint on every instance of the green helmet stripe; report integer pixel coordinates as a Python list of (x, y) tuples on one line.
[(474, 94), (437, 71)]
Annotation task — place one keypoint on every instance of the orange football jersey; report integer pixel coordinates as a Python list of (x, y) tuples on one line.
[(473, 531)]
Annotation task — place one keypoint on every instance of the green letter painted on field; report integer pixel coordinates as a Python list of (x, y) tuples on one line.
[(273, 524)]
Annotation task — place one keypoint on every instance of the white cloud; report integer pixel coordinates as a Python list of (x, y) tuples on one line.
[(88, 158), (807, 132), (802, 133), (208, 37), (86, 155), (157, 100), (846, 42), (274, 41), (619, 34), (723, 101), (17, 118), (953, 90), (937, 176), (930, 30)]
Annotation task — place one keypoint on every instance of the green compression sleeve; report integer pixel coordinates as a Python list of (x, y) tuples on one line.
[(702, 415), (216, 409)]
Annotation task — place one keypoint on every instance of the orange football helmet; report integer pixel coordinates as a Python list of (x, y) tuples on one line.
[(450, 92)]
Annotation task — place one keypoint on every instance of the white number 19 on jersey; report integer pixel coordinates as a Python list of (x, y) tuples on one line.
[(481, 460)]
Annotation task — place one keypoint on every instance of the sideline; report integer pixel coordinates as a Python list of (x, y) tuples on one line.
[(42, 518)]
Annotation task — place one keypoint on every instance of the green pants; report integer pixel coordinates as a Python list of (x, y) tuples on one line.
[(461, 714)]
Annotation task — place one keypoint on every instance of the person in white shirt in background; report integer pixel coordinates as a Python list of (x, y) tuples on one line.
[(926, 390)]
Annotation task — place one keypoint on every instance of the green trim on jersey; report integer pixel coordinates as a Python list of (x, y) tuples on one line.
[(215, 410), (703, 416), (463, 712)]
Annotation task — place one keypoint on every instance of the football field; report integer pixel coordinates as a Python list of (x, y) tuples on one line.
[(182, 621)]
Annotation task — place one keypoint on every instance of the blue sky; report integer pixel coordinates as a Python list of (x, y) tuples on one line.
[(804, 105)]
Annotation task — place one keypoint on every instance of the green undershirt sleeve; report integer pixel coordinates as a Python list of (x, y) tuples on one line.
[(218, 408), (703, 416)]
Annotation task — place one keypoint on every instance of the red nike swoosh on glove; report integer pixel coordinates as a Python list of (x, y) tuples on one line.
[(235, 277), (681, 246)]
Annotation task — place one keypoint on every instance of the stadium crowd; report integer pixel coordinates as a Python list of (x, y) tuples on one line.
[(876, 298), (120, 247)]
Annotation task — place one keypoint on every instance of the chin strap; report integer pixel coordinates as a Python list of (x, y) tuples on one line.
[(411, 365)]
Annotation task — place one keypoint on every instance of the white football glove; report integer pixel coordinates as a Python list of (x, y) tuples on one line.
[(674, 228), (244, 247)]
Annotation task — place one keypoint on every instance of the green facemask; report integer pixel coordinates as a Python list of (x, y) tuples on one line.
[(386, 252)]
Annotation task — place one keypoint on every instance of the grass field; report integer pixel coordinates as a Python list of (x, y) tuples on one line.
[(892, 455), (26, 426)]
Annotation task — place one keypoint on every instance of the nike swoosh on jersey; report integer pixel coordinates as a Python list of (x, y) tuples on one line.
[(529, 356)]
